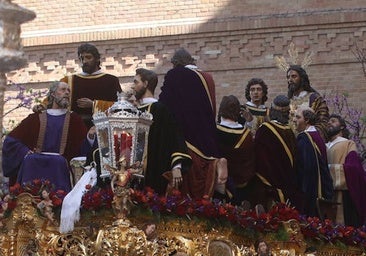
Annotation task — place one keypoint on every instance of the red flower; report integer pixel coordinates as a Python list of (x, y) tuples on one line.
[(88, 186), (37, 182), (56, 201), (222, 211), (14, 188), (12, 204)]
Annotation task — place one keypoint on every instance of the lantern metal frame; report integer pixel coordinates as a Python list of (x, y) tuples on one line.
[(121, 117)]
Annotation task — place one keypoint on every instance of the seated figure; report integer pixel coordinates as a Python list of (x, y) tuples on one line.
[(43, 144)]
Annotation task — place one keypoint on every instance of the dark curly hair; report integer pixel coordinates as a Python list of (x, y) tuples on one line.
[(259, 81)]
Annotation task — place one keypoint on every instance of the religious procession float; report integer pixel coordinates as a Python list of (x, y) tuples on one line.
[(118, 220)]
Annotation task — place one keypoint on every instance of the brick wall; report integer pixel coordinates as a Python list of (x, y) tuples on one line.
[(234, 40)]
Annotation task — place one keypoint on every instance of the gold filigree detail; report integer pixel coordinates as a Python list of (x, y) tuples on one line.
[(284, 64), (31, 234)]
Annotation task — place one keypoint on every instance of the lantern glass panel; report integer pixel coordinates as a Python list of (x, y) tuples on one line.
[(104, 146), (122, 142), (140, 150)]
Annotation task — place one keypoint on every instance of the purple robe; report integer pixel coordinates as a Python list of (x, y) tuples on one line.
[(24, 167), (192, 104), (190, 96), (356, 183)]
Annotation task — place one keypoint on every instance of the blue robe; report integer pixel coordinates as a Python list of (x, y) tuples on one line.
[(311, 162)]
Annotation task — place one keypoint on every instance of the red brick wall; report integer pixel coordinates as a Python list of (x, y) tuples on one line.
[(234, 40)]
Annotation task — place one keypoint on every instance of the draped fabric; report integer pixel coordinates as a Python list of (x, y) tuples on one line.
[(166, 147), (18, 164), (102, 87), (314, 178), (237, 146), (349, 181), (190, 96), (275, 149), (191, 102)]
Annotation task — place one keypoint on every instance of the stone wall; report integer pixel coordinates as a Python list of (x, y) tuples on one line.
[(234, 40)]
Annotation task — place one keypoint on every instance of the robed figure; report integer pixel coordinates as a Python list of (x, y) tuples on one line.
[(166, 147), (43, 144), (189, 93), (313, 174)]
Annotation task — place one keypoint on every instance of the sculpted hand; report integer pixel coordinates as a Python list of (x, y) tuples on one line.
[(177, 177), (91, 133), (84, 103), (38, 108), (246, 115)]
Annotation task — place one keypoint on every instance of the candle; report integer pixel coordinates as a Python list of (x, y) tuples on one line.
[(116, 147)]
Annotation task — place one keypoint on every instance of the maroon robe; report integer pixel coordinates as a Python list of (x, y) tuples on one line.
[(237, 146), (95, 87), (275, 147)]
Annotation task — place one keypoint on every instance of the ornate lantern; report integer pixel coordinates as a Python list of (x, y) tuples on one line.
[(122, 134)]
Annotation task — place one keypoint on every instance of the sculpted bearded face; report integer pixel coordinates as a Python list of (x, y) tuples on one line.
[(62, 96), (334, 126), (294, 82), (139, 87), (90, 64)]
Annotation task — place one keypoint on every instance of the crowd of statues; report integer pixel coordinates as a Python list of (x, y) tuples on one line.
[(249, 154)]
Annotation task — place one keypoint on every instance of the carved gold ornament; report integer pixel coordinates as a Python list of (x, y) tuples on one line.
[(283, 64)]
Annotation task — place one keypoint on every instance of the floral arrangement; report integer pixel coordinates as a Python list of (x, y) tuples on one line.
[(327, 231), (312, 228), (34, 188), (97, 198), (177, 204)]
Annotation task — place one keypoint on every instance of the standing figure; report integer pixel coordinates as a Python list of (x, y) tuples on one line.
[(255, 112), (236, 144), (167, 154), (120, 184), (91, 89), (275, 149), (349, 178), (314, 178), (302, 94), (43, 144), (189, 93)]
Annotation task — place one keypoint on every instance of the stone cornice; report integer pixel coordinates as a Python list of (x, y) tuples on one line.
[(287, 21)]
